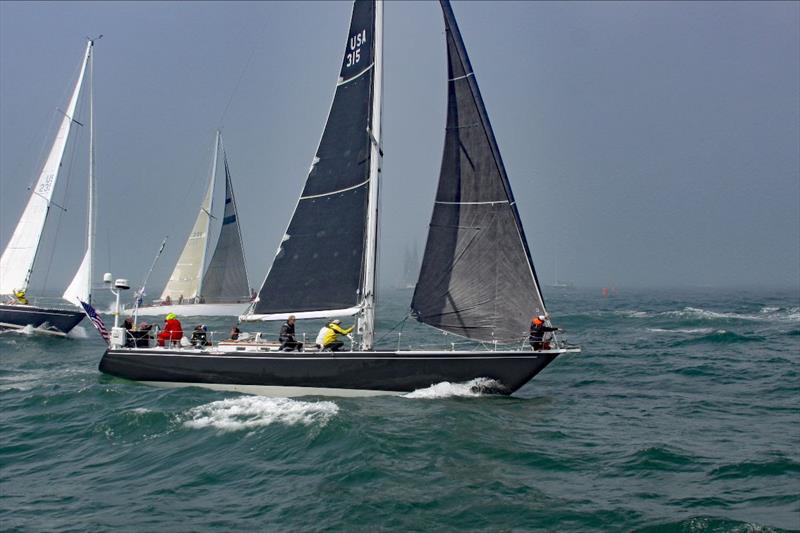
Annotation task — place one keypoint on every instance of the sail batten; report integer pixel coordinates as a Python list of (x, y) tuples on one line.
[(477, 279), (321, 264)]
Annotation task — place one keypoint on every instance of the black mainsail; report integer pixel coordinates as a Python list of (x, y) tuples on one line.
[(225, 279), (477, 278), (326, 257)]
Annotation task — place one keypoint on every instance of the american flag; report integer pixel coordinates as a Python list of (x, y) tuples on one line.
[(95, 318)]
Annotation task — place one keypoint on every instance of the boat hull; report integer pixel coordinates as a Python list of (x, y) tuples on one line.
[(220, 309), (45, 319), (336, 374), (326, 373)]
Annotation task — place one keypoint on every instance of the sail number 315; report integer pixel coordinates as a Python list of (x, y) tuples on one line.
[(354, 51)]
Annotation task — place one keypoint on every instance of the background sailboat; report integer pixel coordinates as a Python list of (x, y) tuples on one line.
[(477, 279), (18, 261), (220, 286)]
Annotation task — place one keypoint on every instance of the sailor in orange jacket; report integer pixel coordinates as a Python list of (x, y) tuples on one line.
[(172, 332)]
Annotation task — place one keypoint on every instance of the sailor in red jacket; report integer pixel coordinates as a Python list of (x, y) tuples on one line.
[(172, 331)]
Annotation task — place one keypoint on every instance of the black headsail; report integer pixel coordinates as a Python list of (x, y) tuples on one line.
[(320, 265), (225, 279), (477, 278)]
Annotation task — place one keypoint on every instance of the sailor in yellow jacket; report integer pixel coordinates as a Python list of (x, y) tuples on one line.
[(328, 338)]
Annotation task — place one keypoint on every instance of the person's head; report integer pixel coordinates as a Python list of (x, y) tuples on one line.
[(235, 329), (198, 327), (291, 319), (336, 321), (537, 321), (171, 316)]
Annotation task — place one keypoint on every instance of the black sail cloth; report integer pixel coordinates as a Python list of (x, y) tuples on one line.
[(320, 263), (477, 279)]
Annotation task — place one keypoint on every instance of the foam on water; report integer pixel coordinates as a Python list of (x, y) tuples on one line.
[(248, 412), (470, 389), (687, 331)]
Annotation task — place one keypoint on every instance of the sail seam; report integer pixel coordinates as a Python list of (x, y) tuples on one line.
[(348, 80), (310, 197)]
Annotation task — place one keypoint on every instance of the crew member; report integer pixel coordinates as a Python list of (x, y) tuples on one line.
[(538, 329), (172, 332), (328, 338), (288, 341), (20, 296)]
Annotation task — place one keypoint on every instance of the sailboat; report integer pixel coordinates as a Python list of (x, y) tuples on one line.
[(410, 268), (477, 279), (219, 288), (18, 262)]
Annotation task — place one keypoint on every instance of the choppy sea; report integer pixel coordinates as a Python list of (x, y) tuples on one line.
[(681, 414)]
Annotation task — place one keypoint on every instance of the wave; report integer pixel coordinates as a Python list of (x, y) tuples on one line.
[(250, 412), (707, 523), (659, 458), (747, 470), (791, 314), (721, 336), (445, 389), (687, 331)]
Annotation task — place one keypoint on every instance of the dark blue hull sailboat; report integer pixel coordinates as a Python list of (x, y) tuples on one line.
[(477, 278)]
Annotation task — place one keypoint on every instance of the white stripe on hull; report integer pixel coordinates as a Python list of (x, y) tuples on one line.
[(275, 391)]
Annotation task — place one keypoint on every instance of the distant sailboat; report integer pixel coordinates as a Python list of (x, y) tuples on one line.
[(477, 279), (410, 268), (556, 283), (18, 261), (221, 287)]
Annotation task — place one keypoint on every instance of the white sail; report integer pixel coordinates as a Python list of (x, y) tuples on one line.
[(80, 289), (81, 286), (16, 263), (187, 277)]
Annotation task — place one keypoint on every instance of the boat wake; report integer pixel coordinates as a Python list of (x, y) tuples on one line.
[(471, 389), (249, 412)]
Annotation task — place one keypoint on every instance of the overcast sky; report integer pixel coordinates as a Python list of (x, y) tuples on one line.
[(648, 144)]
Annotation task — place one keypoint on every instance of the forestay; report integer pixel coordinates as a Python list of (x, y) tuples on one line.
[(320, 265), (16, 263), (225, 279), (477, 278)]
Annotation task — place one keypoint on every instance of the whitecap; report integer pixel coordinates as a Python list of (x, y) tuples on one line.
[(445, 389), (250, 412), (688, 331)]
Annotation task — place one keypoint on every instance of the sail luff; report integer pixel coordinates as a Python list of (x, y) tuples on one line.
[(367, 323), (209, 210), (19, 256), (452, 26), (80, 289)]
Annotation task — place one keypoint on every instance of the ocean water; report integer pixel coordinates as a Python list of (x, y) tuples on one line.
[(681, 414)]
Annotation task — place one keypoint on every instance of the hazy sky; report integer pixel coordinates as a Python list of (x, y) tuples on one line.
[(646, 143)]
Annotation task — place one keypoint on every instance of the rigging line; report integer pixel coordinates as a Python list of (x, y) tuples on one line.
[(236, 87), (403, 321)]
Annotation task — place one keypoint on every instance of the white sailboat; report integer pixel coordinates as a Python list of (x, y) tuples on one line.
[(18, 261), (477, 279), (219, 286)]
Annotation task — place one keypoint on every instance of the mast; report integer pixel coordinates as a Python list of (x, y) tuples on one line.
[(19, 256), (90, 230), (81, 287), (209, 210), (367, 320)]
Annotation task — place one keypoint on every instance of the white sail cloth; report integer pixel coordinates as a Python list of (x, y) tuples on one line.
[(17, 260)]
